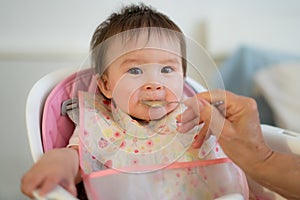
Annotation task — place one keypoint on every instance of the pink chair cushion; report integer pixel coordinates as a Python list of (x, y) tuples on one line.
[(56, 128)]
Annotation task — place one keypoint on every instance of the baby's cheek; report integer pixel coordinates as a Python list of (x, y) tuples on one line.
[(138, 110)]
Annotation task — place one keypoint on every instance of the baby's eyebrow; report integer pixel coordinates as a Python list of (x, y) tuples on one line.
[(172, 61), (130, 61), (137, 61)]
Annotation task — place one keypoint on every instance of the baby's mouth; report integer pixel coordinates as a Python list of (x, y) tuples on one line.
[(154, 103)]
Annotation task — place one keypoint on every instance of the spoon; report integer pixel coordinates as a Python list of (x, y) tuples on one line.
[(158, 103), (162, 103)]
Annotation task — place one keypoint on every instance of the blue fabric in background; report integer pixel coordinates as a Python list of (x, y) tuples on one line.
[(238, 71)]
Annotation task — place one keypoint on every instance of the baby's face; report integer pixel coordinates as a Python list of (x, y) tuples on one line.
[(144, 74)]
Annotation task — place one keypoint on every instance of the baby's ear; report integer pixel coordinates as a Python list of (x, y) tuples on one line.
[(104, 87)]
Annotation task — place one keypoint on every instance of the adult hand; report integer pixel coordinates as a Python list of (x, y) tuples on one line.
[(237, 126), (238, 129), (56, 167)]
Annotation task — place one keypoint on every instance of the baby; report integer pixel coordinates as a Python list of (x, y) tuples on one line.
[(139, 56)]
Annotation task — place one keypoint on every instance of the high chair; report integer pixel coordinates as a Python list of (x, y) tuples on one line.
[(279, 139), (35, 106)]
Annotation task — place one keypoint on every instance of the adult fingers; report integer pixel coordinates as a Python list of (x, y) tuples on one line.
[(187, 126), (188, 115), (214, 95), (191, 116), (213, 120), (200, 138), (212, 117)]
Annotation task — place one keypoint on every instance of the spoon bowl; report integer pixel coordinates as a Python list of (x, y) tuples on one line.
[(158, 103), (162, 103)]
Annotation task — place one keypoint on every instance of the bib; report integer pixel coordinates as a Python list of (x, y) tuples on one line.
[(122, 158), (118, 141)]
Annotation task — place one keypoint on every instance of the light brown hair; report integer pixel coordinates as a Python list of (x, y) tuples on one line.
[(129, 18)]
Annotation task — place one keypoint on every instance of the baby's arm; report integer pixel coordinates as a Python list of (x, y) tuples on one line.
[(56, 167)]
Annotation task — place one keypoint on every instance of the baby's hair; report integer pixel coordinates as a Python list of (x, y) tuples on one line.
[(128, 18)]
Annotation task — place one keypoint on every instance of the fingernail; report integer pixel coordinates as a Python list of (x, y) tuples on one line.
[(178, 118), (195, 137)]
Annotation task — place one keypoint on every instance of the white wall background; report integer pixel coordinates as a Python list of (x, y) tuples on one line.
[(37, 37)]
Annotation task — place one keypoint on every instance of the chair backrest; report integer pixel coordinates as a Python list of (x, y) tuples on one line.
[(58, 128), (35, 106)]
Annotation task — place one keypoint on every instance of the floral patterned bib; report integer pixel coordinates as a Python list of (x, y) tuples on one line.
[(119, 141), (150, 160)]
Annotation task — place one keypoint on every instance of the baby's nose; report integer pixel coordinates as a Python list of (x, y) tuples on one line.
[(153, 86)]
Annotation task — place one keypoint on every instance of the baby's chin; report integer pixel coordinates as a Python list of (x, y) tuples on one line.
[(153, 113), (157, 113)]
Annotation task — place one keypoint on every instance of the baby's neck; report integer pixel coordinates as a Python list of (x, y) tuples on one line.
[(145, 122), (140, 121)]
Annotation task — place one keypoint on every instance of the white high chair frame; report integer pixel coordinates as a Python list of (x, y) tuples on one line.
[(277, 138)]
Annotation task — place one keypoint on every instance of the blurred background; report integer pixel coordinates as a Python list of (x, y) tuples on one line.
[(242, 37)]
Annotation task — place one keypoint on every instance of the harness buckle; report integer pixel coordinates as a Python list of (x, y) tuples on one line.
[(68, 105)]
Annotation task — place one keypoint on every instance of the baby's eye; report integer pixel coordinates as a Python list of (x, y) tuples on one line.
[(135, 70), (167, 69)]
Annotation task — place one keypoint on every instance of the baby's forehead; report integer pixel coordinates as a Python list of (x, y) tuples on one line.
[(152, 39), (125, 43)]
